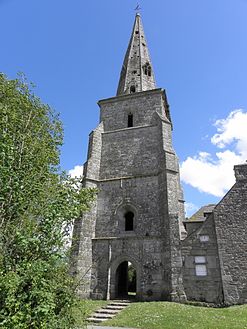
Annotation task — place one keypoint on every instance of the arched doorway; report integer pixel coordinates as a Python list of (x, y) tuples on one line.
[(126, 280)]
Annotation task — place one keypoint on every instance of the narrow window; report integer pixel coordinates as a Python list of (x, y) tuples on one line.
[(129, 221), (200, 266), (130, 120), (132, 89)]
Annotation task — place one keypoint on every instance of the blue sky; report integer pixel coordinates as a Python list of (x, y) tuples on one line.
[(73, 52)]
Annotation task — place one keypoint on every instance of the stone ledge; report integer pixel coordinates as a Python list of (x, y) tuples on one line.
[(128, 128), (130, 238), (129, 96)]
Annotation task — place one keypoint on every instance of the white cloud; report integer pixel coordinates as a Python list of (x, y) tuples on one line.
[(213, 174), (77, 171), (232, 129)]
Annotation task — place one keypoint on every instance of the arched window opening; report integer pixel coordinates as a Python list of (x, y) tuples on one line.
[(126, 280), (132, 89), (129, 221), (130, 120), (147, 69)]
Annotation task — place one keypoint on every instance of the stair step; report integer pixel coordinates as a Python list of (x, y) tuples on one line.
[(119, 304), (108, 311), (115, 307), (96, 320), (102, 315)]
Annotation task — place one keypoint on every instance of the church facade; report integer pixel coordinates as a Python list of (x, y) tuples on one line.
[(135, 227)]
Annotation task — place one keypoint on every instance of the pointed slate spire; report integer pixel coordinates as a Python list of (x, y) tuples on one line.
[(137, 72)]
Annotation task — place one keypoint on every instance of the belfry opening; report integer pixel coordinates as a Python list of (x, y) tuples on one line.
[(129, 221), (126, 280)]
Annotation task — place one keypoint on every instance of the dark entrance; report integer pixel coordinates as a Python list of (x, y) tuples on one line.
[(125, 280)]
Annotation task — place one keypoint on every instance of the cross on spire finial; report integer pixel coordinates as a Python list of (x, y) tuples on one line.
[(137, 8)]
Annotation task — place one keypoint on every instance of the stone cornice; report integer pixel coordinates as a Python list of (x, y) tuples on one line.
[(132, 96)]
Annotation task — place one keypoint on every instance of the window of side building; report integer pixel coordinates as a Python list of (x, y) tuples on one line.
[(200, 266), (204, 238)]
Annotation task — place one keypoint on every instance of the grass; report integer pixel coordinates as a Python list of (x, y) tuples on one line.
[(85, 308), (165, 315)]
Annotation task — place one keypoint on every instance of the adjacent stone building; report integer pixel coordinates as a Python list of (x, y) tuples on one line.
[(137, 218), (215, 252)]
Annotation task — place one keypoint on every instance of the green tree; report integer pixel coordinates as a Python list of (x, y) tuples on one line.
[(37, 206)]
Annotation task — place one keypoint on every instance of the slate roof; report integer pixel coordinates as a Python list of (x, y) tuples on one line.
[(199, 216)]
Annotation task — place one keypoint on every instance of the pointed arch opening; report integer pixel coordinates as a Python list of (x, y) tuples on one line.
[(127, 217), (147, 70), (126, 280)]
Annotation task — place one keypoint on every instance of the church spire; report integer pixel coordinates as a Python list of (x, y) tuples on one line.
[(137, 72)]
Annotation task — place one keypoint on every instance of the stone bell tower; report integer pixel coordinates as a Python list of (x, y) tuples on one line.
[(137, 216)]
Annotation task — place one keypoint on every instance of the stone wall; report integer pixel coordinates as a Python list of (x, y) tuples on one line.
[(145, 254), (81, 260), (130, 152), (147, 246), (84, 228), (231, 222), (141, 195), (206, 288), (135, 169), (114, 111)]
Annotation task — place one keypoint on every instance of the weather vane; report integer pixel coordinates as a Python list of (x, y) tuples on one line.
[(137, 8)]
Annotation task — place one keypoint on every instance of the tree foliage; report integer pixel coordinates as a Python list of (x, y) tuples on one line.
[(131, 278), (37, 205)]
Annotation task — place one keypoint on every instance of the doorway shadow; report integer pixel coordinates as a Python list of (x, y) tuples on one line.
[(126, 281)]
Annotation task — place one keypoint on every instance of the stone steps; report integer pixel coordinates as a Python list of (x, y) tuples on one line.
[(109, 311)]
